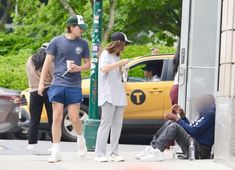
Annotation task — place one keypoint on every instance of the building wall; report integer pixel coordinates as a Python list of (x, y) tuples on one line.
[(202, 60), (225, 114), (199, 42)]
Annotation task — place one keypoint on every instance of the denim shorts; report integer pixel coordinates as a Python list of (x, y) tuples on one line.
[(65, 95)]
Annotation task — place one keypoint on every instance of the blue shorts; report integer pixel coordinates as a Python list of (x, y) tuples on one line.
[(65, 95)]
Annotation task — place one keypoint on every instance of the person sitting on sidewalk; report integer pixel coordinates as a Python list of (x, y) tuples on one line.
[(178, 128)]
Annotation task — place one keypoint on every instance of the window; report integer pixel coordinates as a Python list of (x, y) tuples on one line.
[(136, 72)]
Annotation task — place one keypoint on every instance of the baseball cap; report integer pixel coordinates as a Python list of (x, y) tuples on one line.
[(148, 67), (44, 45), (77, 20), (120, 36)]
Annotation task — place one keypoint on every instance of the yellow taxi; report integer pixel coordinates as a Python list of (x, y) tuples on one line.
[(147, 100)]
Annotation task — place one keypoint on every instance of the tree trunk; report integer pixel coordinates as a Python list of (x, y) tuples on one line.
[(68, 7), (5, 14), (113, 4), (92, 5)]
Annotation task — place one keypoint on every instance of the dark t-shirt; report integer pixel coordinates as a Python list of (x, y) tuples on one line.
[(64, 49)]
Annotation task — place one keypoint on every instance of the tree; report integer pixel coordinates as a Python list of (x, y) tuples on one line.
[(143, 20), (110, 25), (161, 17), (67, 7)]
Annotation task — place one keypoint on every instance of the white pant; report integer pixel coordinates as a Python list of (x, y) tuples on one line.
[(112, 118)]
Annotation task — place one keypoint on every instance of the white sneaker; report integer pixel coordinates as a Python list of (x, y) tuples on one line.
[(145, 152), (116, 158), (50, 149), (31, 148), (82, 149), (154, 156), (100, 159), (55, 157)]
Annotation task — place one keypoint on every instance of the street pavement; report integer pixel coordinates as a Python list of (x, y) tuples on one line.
[(13, 156)]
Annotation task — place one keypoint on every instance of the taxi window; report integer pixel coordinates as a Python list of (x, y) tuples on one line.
[(136, 72)]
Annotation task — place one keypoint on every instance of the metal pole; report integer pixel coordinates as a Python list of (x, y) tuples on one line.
[(96, 42), (91, 125)]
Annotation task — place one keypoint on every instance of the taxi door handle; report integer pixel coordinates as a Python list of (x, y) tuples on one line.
[(156, 91)]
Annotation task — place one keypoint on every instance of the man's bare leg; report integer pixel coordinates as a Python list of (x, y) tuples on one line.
[(58, 110), (73, 110)]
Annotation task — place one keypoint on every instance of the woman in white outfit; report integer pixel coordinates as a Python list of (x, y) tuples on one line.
[(111, 98)]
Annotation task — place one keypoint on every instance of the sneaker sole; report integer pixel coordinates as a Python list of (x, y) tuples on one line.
[(100, 161), (82, 155), (139, 157), (54, 161), (153, 160), (117, 161)]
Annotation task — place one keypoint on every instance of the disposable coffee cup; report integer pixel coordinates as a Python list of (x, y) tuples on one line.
[(68, 67), (68, 63)]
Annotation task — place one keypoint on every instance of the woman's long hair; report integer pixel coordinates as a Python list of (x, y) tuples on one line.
[(39, 58), (116, 47)]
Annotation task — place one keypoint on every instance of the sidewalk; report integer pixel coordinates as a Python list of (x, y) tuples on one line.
[(13, 156)]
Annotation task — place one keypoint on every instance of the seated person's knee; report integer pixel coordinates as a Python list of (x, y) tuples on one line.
[(173, 125)]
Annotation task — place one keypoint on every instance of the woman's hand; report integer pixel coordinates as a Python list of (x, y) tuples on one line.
[(118, 64), (123, 62), (41, 88)]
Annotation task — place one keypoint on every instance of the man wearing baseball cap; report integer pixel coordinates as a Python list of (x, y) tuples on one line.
[(67, 52), (77, 20), (150, 72)]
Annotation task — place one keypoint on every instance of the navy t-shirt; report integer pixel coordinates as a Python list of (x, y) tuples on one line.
[(64, 49)]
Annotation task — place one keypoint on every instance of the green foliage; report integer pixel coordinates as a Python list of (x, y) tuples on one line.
[(156, 21), (12, 70), (11, 43), (144, 50), (136, 72), (38, 21)]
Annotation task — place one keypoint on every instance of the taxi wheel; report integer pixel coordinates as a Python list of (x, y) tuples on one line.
[(68, 134)]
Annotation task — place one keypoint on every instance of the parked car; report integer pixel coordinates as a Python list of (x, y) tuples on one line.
[(9, 110), (147, 101)]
